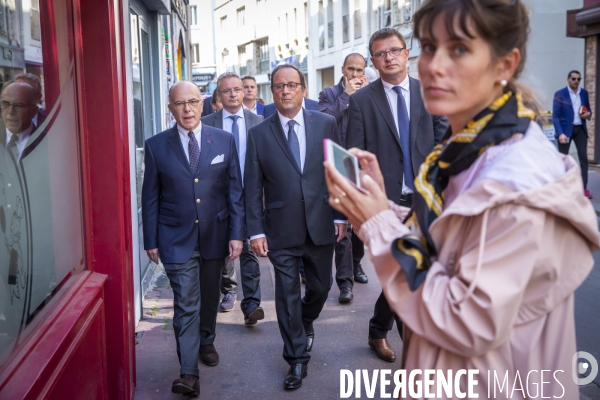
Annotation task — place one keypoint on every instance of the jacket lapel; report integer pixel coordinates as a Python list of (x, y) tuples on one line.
[(206, 139), (310, 134), (381, 101), (282, 141), (177, 147), (218, 120), (416, 105)]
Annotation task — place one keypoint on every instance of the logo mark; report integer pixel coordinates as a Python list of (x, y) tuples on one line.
[(581, 367)]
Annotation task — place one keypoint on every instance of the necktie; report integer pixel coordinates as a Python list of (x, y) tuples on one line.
[(194, 151), (12, 146), (235, 130), (404, 132), (293, 142)]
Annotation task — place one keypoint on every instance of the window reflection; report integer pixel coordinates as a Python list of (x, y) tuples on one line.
[(41, 239)]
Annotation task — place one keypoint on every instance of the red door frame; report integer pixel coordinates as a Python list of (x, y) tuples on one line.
[(84, 347)]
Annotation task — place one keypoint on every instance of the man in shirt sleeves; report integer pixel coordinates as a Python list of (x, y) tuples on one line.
[(193, 213), (284, 158)]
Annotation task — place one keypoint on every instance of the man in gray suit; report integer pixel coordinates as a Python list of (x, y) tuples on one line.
[(237, 120)]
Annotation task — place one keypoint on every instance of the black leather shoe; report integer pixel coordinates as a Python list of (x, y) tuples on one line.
[(293, 379), (188, 385), (310, 337), (256, 315), (359, 275), (346, 295)]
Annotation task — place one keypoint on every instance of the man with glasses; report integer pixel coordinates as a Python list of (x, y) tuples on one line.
[(284, 160), (388, 118), (193, 213), (570, 110), (334, 100), (237, 120)]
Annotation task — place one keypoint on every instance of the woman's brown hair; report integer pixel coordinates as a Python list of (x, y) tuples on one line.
[(504, 24)]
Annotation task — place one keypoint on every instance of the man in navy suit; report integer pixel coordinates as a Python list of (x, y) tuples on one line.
[(334, 101), (250, 93), (193, 213), (284, 160), (570, 110)]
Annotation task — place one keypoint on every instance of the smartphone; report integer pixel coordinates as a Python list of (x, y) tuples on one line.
[(345, 162)]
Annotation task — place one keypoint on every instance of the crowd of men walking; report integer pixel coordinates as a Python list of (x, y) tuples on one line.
[(248, 181)]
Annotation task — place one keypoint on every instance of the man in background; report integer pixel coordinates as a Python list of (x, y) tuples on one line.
[(250, 92), (334, 101), (570, 110)]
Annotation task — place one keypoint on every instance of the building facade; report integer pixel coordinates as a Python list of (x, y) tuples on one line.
[(254, 36)]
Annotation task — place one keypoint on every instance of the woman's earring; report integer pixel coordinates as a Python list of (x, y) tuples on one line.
[(503, 82)]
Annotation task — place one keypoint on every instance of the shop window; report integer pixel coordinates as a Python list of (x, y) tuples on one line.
[(41, 224)]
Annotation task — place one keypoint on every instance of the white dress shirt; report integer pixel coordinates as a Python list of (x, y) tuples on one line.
[(241, 123), (251, 109), (185, 139), (21, 139), (392, 98), (576, 101)]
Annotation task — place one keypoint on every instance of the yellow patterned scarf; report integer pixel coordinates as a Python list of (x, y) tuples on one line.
[(505, 117)]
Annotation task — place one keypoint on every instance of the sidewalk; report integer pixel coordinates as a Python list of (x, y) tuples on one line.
[(251, 365)]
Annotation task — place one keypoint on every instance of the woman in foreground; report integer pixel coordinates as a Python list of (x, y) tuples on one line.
[(484, 269)]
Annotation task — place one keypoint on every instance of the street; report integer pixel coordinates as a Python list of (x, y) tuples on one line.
[(251, 366)]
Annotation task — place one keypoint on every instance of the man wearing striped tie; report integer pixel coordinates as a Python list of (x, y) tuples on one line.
[(193, 215)]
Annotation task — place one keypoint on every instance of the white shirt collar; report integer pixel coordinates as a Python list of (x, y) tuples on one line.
[(405, 84), (575, 93), (251, 109), (21, 137), (184, 132), (299, 118), (239, 113)]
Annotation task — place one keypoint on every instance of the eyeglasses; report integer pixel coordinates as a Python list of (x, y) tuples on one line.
[(576, 79), (5, 105), (292, 86), (181, 104), (396, 51), (236, 90)]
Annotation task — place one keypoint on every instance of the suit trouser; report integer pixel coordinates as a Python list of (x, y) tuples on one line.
[(294, 313), (194, 282), (250, 274), (344, 273), (358, 250), (580, 138), (383, 316)]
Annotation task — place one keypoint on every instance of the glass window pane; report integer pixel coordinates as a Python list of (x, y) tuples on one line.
[(357, 25), (41, 225)]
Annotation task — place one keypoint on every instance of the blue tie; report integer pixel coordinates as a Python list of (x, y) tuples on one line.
[(194, 151), (293, 142), (235, 130), (404, 131)]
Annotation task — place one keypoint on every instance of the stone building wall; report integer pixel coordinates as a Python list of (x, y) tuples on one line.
[(591, 56)]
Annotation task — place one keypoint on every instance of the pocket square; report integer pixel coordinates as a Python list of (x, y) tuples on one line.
[(218, 159)]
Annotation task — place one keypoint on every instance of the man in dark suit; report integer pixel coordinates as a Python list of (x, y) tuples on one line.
[(307, 104), (33, 81), (285, 161), (231, 93), (193, 213), (250, 94), (570, 110), (334, 100), (388, 118)]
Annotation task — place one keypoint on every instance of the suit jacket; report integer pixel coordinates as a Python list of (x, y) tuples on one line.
[(182, 209), (371, 127), (207, 108), (334, 101), (296, 203), (260, 109), (270, 109), (216, 119), (563, 114)]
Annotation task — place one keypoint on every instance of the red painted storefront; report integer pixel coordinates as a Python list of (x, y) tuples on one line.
[(82, 346)]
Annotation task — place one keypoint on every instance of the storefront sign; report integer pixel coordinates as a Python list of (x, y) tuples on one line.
[(181, 10)]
